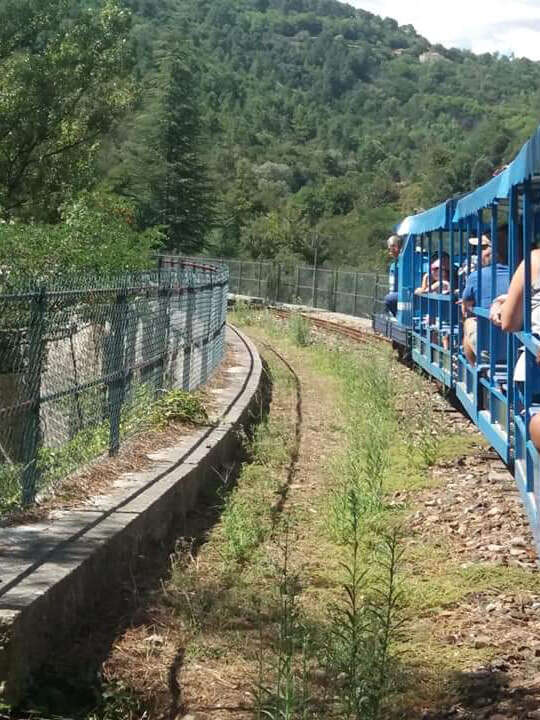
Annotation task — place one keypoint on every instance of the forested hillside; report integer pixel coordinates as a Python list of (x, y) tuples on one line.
[(261, 128), (325, 123)]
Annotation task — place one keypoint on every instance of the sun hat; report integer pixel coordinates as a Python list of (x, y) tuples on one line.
[(486, 242)]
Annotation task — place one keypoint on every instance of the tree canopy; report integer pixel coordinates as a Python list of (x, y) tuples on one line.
[(315, 107), (257, 128), (65, 77)]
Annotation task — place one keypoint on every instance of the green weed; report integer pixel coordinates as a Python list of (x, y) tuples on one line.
[(367, 623), (243, 313), (268, 321), (299, 329), (178, 406), (118, 703), (287, 695), (245, 519), (10, 487), (370, 425)]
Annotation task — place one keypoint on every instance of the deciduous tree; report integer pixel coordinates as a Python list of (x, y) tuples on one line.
[(64, 75)]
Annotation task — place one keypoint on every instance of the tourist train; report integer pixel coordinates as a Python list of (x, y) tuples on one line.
[(498, 381)]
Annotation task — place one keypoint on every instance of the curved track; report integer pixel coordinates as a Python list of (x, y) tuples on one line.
[(295, 451), (356, 334)]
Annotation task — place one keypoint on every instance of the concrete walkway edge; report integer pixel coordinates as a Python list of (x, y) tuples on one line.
[(85, 555)]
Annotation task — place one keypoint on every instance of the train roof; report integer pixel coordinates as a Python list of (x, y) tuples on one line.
[(436, 218), (525, 165)]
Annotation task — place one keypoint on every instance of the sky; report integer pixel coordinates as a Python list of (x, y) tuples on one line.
[(504, 26)]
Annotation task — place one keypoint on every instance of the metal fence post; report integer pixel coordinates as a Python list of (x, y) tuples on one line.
[(332, 294), (260, 279), (375, 295), (117, 383), (164, 325), (240, 279), (209, 294), (32, 432), (297, 285), (355, 309), (278, 282), (188, 335), (223, 313), (314, 287)]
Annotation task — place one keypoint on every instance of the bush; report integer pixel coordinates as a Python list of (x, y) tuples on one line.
[(98, 233), (179, 406)]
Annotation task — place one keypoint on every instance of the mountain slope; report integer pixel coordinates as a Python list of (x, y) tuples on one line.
[(320, 116)]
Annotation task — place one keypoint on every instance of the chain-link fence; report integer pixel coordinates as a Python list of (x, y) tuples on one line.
[(81, 366), (380, 290), (348, 291)]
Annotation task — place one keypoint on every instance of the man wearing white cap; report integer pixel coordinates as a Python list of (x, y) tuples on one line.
[(469, 297)]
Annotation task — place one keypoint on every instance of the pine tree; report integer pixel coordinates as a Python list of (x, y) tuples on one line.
[(162, 166), (185, 195)]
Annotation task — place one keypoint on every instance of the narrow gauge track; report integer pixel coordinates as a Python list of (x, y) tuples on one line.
[(357, 334), (283, 491)]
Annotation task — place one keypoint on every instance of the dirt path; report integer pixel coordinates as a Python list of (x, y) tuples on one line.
[(224, 687)]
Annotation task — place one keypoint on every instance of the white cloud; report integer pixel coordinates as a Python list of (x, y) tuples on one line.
[(478, 25)]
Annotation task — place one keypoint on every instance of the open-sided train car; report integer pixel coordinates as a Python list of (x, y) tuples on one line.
[(501, 391)]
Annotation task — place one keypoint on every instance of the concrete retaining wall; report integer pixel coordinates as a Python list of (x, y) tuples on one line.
[(56, 574)]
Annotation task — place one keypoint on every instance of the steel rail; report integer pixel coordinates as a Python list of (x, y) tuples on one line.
[(352, 333)]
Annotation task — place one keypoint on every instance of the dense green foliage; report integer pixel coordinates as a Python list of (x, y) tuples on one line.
[(260, 128), (97, 233), (326, 123), (63, 82)]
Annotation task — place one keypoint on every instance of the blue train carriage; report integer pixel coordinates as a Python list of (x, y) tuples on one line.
[(502, 390), (427, 288), (395, 328), (499, 384)]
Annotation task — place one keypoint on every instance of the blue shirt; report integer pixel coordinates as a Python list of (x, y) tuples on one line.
[(502, 283)]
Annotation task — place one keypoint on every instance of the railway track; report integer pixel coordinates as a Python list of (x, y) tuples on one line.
[(283, 491), (352, 333)]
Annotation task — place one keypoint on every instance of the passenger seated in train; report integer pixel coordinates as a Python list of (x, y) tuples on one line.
[(440, 276), (507, 313), (391, 300), (469, 300), (464, 271)]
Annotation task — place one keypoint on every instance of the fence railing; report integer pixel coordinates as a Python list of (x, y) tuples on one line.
[(380, 290), (81, 366), (349, 291)]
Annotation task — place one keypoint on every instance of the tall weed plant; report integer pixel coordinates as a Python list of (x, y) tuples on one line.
[(299, 329), (353, 649), (370, 425), (366, 623), (283, 690)]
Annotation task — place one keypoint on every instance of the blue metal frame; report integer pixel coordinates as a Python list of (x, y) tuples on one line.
[(488, 403), (433, 331), (501, 405)]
